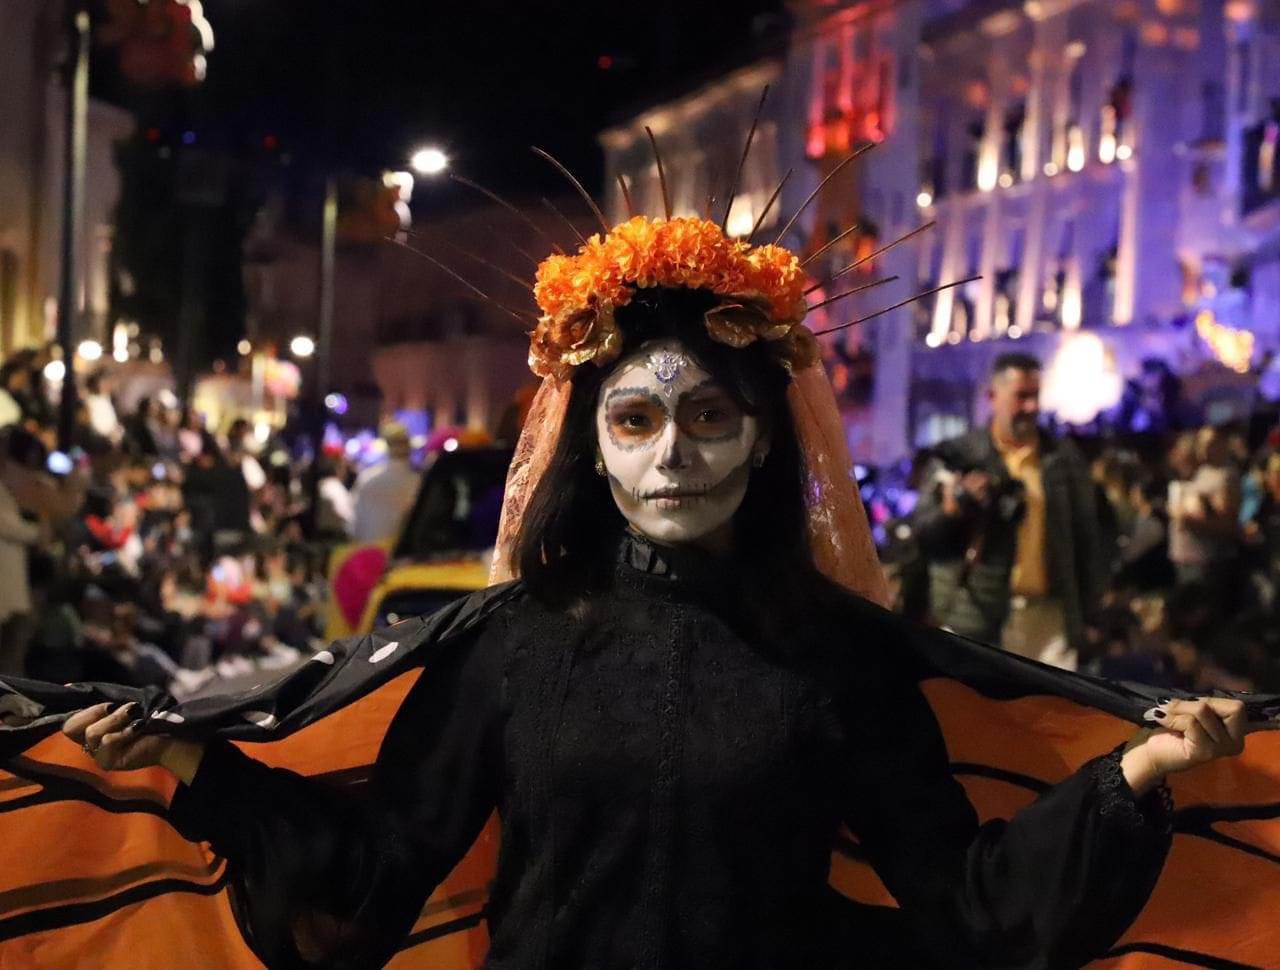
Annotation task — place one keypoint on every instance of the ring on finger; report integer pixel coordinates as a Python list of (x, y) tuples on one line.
[(89, 749)]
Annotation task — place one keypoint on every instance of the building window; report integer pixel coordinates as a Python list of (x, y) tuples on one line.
[(1005, 302), (852, 95), (1011, 145), (1073, 136), (964, 310), (1100, 287), (972, 154), (1261, 181), (1115, 138), (930, 269), (1053, 295)]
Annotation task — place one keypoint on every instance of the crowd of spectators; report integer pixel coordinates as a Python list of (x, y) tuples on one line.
[(157, 551), (1152, 558)]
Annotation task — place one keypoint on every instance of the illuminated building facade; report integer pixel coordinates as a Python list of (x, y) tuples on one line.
[(1109, 167), (31, 154)]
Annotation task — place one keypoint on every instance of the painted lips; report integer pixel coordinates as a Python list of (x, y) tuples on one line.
[(672, 498)]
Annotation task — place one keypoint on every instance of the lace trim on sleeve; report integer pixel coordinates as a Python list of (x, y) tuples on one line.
[(1117, 800)]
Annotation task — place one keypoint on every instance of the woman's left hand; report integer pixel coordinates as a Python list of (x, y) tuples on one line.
[(1189, 734)]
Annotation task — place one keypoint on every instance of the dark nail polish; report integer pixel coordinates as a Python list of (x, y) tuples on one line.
[(1161, 714)]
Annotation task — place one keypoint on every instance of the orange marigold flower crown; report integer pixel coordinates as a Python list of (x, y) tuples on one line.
[(762, 287)]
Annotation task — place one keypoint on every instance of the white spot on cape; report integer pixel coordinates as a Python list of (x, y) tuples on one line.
[(382, 653), (20, 706), (173, 717), (325, 657), (261, 718)]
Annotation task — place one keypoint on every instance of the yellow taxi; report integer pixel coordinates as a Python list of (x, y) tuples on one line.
[(443, 551)]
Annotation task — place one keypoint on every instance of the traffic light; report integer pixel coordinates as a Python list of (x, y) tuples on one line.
[(160, 42), (368, 212)]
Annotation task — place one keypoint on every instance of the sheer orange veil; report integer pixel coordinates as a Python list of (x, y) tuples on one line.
[(839, 535)]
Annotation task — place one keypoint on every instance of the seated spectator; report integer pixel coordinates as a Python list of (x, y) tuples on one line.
[(335, 509), (101, 410), (1204, 512), (1144, 563)]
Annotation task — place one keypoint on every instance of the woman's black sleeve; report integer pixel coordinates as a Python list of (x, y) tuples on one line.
[(336, 876), (1053, 886)]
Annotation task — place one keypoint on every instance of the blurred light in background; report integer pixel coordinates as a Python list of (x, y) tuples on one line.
[(90, 350), (1107, 149), (302, 346), (1233, 348), (335, 402), (429, 161), (1075, 149), (55, 371), (988, 171), (1072, 307), (244, 348), (741, 218), (120, 343), (1081, 379), (200, 23)]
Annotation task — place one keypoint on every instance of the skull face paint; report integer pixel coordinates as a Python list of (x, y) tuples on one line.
[(677, 448)]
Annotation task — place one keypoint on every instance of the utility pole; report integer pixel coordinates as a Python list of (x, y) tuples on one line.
[(76, 130), (324, 340)]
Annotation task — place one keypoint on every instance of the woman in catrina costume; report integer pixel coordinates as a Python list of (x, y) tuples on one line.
[(686, 736)]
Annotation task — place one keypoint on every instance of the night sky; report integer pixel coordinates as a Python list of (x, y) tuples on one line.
[(358, 84)]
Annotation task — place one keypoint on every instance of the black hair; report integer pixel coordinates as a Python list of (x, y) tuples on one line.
[(7, 371), (1014, 360), (571, 525)]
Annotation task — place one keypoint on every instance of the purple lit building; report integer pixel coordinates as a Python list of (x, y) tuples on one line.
[(1109, 167)]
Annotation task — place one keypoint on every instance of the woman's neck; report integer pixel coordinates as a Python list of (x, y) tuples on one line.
[(718, 543)]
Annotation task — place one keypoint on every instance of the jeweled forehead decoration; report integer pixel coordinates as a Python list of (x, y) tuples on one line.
[(667, 366)]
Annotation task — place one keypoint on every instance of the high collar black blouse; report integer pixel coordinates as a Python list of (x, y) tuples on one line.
[(670, 788)]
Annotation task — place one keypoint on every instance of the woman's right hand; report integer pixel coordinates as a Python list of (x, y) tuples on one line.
[(109, 737)]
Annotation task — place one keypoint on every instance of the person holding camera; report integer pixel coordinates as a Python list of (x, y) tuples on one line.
[(1008, 524)]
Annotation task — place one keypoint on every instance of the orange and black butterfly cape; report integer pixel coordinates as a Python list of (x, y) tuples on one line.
[(92, 872)]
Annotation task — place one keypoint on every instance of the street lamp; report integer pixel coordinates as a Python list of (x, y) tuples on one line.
[(429, 161), (302, 346)]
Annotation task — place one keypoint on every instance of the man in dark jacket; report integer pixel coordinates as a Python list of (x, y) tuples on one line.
[(1008, 523)]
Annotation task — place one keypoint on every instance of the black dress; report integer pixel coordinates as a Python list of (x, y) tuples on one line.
[(670, 787)]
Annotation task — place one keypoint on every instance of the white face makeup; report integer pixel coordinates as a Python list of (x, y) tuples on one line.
[(676, 446)]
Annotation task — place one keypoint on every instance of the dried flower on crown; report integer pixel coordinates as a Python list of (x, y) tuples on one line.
[(763, 289)]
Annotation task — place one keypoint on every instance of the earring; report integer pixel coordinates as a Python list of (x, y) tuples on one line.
[(600, 469), (757, 459)]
